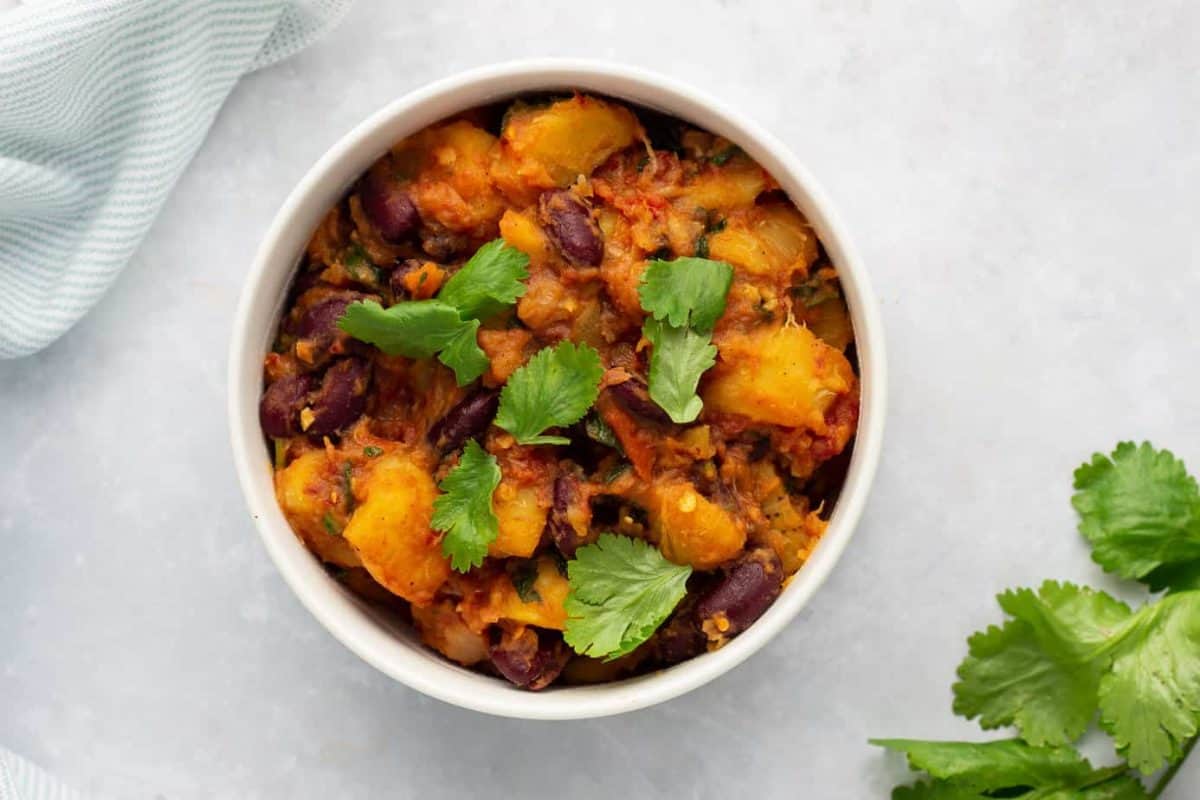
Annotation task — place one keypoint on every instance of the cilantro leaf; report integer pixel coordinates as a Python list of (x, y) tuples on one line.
[(1150, 699), (988, 766), (622, 589), (417, 329), (555, 388), (678, 358), (684, 298), (1038, 671), (599, 431), (1140, 510), (1008, 768), (1069, 650), (686, 291), (488, 282), (358, 266), (1113, 783), (729, 152), (1180, 577), (464, 355), (464, 512), (524, 577)]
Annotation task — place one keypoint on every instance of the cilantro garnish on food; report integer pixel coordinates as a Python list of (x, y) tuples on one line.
[(1068, 656), (447, 326), (679, 356), (524, 576), (555, 388), (419, 329), (622, 589), (684, 299), (686, 292), (464, 510), (489, 282)]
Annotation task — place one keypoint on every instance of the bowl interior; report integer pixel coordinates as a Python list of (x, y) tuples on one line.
[(379, 637)]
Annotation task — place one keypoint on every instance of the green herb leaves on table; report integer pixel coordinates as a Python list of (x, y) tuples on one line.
[(555, 388), (622, 589), (464, 510), (446, 326), (1140, 510), (1008, 768), (1068, 651), (1069, 655), (684, 299)]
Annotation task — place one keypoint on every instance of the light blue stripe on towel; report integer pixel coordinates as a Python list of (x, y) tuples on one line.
[(20, 780), (102, 105)]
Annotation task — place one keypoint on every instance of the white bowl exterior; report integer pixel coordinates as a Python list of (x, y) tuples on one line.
[(394, 651)]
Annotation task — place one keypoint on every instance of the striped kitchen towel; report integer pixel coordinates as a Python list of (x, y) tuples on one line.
[(102, 105), (20, 780)]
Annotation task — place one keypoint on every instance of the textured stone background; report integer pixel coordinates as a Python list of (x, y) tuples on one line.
[(1021, 181)]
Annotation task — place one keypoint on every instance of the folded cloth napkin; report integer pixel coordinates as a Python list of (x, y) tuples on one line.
[(20, 780), (102, 105)]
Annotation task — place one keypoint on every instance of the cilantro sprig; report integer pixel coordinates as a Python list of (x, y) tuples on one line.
[(555, 388), (447, 325), (622, 589), (489, 282), (1140, 510), (684, 299), (1069, 655), (1008, 768), (464, 511)]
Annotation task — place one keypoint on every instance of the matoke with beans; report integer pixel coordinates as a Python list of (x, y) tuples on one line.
[(569, 384)]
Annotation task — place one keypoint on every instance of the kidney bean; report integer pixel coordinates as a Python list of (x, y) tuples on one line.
[(388, 207), (306, 280), (279, 410), (570, 225), (680, 638), (528, 658), (745, 592), (319, 322), (317, 331), (635, 397), (443, 245), (567, 498), (396, 280), (341, 398), (466, 420)]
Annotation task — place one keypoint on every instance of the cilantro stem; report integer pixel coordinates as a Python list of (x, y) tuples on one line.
[(1161, 786)]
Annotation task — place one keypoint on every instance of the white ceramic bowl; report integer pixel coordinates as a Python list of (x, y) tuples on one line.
[(388, 644)]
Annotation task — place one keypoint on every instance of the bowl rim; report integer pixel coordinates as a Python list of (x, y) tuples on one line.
[(354, 623)]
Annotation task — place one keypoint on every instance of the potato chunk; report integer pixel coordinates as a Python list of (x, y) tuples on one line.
[(729, 187), (506, 349), (449, 169), (547, 147), (690, 528), (521, 231), (311, 494), (771, 241), (521, 511), (783, 376), (443, 629), (390, 529), (495, 598)]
